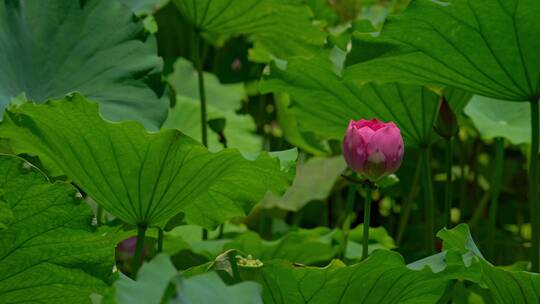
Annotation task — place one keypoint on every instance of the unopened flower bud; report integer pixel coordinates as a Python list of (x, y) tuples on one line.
[(446, 124), (373, 148)]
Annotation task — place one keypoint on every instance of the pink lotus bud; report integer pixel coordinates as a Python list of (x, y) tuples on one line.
[(127, 247), (446, 124), (373, 148), (236, 65)]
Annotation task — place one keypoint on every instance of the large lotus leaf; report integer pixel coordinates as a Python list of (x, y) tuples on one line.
[(482, 46), (49, 252), (461, 259), (152, 281), (141, 177), (288, 122), (314, 181), (306, 247), (145, 7), (239, 129), (498, 118), (188, 238), (311, 246), (511, 286), (154, 278), (222, 102), (325, 102), (225, 97), (382, 278), (281, 27), (378, 239), (96, 47), (208, 288)]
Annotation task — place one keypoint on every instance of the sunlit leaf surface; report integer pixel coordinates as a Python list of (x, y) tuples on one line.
[(143, 178), (498, 118)]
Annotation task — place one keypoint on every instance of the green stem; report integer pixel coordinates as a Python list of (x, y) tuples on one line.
[(477, 214), (520, 220), (160, 240), (328, 210), (137, 257), (223, 141), (533, 185), (448, 190), (205, 234), (202, 95), (473, 195), (266, 229), (221, 228), (429, 202), (407, 206), (351, 192), (367, 216), (99, 215), (495, 189), (463, 206), (198, 53)]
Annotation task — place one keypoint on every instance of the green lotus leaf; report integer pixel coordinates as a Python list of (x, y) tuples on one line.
[(481, 46), (305, 247), (239, 129), (222, 102), (382, 278), (208, 288), (281, 27), (325, 102), (152, 281), (142, 178), (499, 118), (314, 181), (145, 7), (461, 259), (49, 252), (288, 122), (51, 48), (155, 276)]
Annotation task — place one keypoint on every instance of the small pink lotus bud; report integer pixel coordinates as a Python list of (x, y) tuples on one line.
[(373, 148), (127, 247), (236, 65), (446, 124)]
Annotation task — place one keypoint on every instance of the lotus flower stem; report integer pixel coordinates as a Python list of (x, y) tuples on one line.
[(137, 257), (221, 228), (463, 206), (448, 190), (160, 240), (205, 234), (367, 216), (447, 127), (198, 54), (351, 193), (533, 185), (99, 215), (429, 202), (407, 205), (479, 210), (495, 191)]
